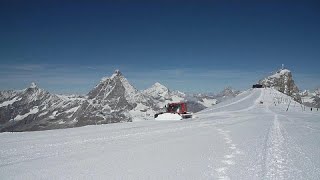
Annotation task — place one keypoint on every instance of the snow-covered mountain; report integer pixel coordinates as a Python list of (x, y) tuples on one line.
[(205, 99), (161, 95), (36, 109), (226, 94), (311, 98), (112, 100), (210, 99), (283, 81)]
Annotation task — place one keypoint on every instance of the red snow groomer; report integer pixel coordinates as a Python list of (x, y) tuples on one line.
[(174, 111)]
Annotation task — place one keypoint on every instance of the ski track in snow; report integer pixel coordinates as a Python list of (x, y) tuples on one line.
[(275, 158), (297, 151)]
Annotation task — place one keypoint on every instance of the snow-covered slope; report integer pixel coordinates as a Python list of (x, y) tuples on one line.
[(240, 138)]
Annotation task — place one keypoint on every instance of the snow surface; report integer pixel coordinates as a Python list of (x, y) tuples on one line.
[(308, 99), (238, 139), (307, 96), (7, 103), (34, 110), (279, 73), (74, 109), (168, 117), (208, 102)]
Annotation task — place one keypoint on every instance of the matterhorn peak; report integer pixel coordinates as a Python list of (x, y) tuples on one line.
[(33, 85), (116, 73)]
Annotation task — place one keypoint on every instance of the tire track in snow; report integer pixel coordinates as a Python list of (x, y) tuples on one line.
[(228, 159)]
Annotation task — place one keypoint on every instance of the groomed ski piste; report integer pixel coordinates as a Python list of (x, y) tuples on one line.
[(260, 134)]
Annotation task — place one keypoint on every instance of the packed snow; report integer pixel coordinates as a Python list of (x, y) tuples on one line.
[(280, 73), (7, 103), (208, 102), (19, 117), (168, 116), (72, 110), (259, 134)]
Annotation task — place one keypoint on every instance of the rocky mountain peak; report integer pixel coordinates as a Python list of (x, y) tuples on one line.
[(33, 85), (305, 93), (311, 98), (283, 81), (157, 91), (33, 90), (157, 84), (159, 87), (113, 87), (116, 74), (228, 92), (317, 91)]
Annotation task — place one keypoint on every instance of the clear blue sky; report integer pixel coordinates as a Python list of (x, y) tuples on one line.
[(194, 46)]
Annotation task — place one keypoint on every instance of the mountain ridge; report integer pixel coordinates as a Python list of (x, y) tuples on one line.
[(112, 100)]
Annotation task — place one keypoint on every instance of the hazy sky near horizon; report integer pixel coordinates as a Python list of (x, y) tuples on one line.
[(193, 46)]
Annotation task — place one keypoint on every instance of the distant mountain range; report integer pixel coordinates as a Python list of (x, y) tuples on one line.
[(115, 100), (311, 98), (112, 100)]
